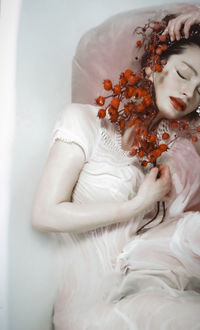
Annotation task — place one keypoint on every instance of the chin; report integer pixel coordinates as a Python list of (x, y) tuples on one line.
[(169, 112)]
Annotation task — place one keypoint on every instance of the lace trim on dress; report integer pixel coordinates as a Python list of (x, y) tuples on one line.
[(114, 144)]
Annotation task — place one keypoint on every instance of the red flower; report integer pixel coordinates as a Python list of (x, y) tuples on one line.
[(137, 93), (158, 68), (139, 43), (100, 100), (130, 91), (107, 85), (115, 102), (131, 123), (132, 79), (174, 124), (122, 124), (101, 113), (159, 50), (152, 138), (133, 152), (151, 47), (140, 107), (127, 74), (165, 136), (194, 138), (123, 80), (117, 89), (144, 163), (163, 38), (141, 153), (163, 147)]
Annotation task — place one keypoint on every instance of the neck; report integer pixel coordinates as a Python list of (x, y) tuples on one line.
[(128, 135)]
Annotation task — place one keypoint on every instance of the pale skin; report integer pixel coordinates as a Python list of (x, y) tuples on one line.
[(53, 210)]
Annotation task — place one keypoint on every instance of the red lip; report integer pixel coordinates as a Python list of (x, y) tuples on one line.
[(178, 103)]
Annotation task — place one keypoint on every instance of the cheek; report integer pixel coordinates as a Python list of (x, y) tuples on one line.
[(166, 85)]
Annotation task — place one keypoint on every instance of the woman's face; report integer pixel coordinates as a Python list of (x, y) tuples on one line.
[(177, 87)]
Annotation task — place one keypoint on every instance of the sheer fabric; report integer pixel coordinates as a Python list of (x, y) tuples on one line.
[(110, 278)]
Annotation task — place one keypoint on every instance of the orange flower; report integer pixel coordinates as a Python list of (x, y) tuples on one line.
[(132, 79), (151, 47), (100, 100), (163, 147), (147, 100), (107, 85), (127, 74), (113, 114), (133, 152), (194, 138), (137, 93), (122, 124), (117, 89), (139, 43), (174, 124), (158, 68), (140, 107), (163, 38), (115, 102), (165, 136), (131, 123), (151, 158), (152, 138), (144, 163), (156, 153), (123, 80), (101, 113), (159, 50), (130, 91), (144, 133), (164, 47), (141, 153)]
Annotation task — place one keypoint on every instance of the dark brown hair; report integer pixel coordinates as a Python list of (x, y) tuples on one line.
[(173, 47)]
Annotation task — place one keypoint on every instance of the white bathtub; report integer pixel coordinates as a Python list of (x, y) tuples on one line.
[(39, 41)]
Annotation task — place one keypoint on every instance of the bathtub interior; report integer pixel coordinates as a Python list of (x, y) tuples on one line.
[(47, 38)]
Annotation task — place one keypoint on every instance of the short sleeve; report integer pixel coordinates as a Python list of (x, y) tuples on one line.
[(78, 123)]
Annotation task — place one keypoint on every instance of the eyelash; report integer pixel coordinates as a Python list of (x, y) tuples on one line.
[(180, 75), (184, 78)]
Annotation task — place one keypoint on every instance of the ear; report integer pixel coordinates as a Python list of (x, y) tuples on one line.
[(148, 72)]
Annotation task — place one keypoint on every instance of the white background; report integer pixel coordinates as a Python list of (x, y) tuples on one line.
[(49, 31)]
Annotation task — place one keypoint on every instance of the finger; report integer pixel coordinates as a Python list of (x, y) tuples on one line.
[(177, 28), (153, 173), (166, 31), (187, 27), (164, 172), (171, 30)]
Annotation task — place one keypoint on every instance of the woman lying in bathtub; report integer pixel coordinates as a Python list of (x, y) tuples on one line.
[(96, 196)]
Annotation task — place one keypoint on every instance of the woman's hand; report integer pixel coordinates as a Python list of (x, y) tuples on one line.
[(156, 185), (188, 19)]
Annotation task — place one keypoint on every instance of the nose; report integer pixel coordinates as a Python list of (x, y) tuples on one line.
[(189, 90)]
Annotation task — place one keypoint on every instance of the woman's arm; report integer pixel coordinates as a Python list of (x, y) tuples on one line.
[(53, 210)]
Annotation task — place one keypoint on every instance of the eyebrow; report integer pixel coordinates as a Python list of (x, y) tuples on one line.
[(191, 67)]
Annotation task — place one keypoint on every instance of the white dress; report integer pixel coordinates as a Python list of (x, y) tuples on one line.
[(111, 278)]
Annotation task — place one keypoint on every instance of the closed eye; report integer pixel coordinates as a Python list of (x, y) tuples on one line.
[(181, 75)]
